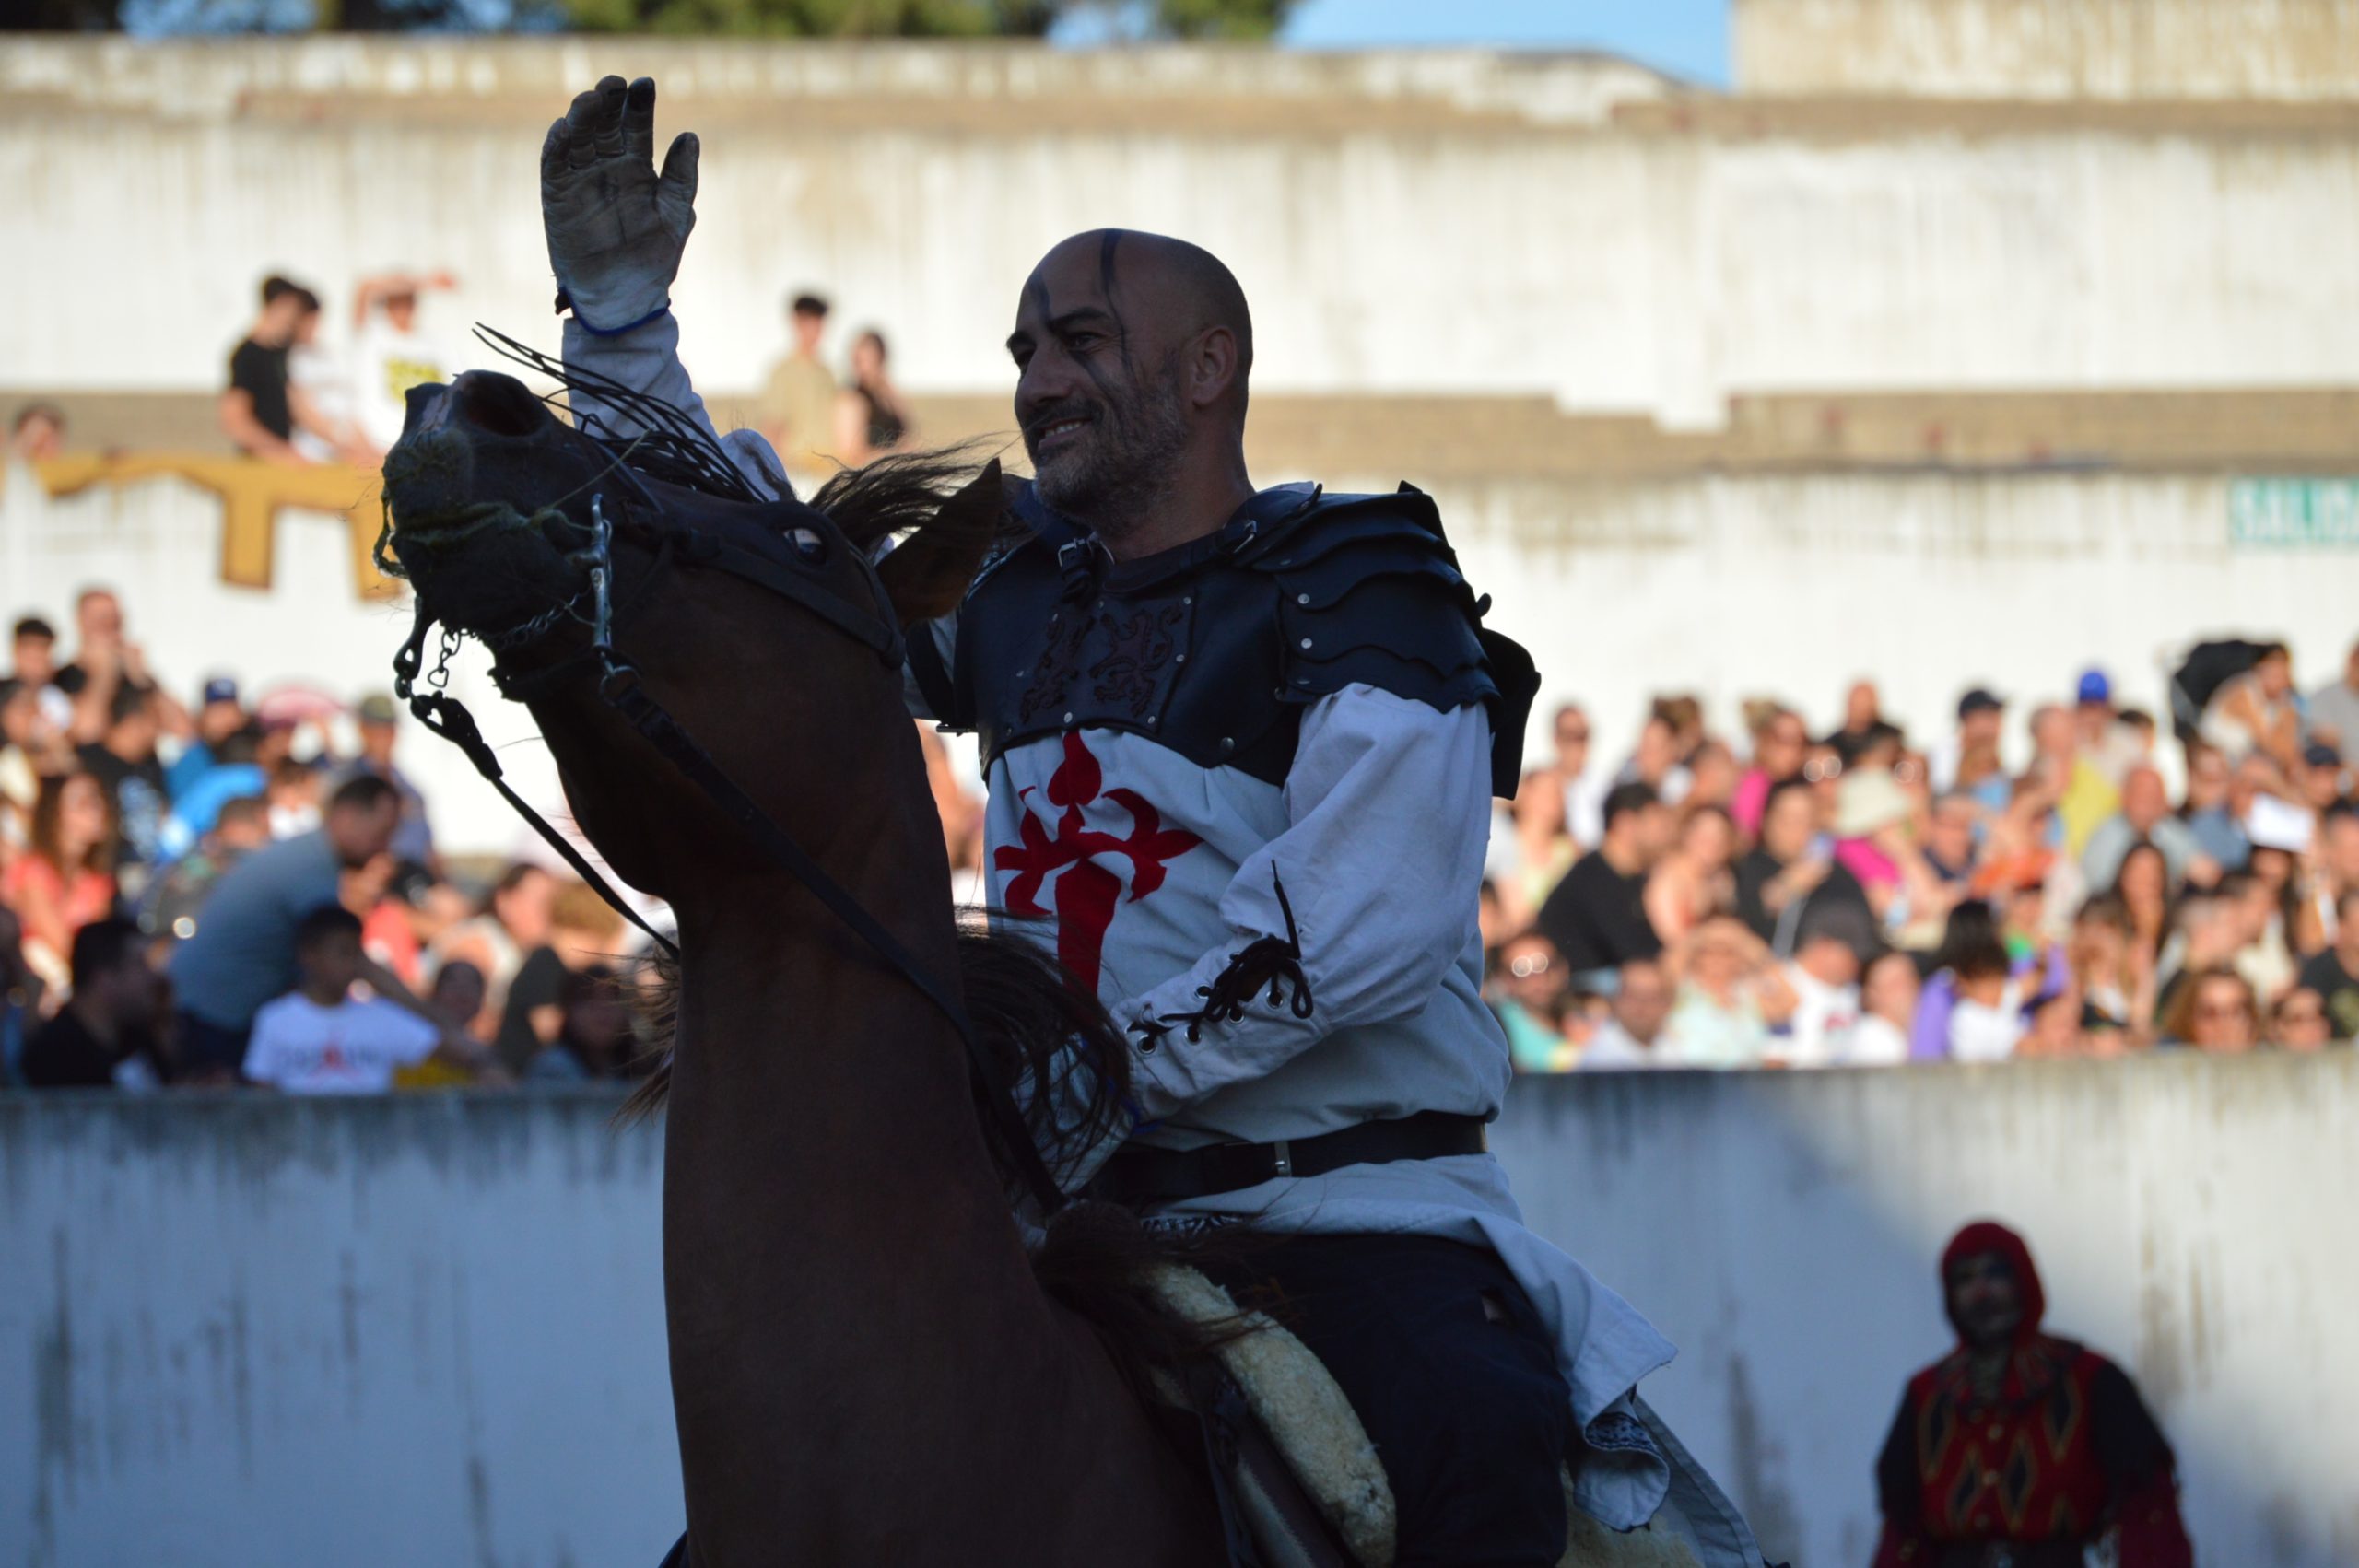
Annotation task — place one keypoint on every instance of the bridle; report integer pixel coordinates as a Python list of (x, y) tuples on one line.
[(619, 684)]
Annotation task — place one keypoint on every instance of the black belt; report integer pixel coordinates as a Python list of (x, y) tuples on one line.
[(1136, 1175)]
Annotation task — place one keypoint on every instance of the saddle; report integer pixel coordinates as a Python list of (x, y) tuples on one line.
[(1299, 1483)]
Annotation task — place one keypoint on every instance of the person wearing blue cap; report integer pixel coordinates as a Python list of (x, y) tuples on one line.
[(219, 715), (2103, 754)]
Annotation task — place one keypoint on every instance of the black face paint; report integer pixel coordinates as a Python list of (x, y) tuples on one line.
[(1106, 244)]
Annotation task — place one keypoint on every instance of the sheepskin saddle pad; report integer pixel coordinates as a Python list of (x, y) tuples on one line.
[(1310, 1436)]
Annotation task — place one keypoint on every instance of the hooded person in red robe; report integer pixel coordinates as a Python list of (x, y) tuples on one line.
[(2019, 1449)]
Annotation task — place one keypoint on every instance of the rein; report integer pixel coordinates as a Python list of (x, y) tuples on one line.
[(621, 688)]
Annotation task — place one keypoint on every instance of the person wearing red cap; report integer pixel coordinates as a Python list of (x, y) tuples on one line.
[(2018, 1449)]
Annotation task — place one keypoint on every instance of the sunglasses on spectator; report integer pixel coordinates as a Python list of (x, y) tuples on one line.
[(1818, 770), (1527, 964)]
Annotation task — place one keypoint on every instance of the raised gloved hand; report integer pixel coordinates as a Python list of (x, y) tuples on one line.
[(616, 228)]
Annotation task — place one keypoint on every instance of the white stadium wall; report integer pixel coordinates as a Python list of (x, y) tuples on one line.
[(1458, 223), (265, 1333)]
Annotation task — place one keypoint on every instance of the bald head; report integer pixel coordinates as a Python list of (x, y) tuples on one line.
[(1133, 352)]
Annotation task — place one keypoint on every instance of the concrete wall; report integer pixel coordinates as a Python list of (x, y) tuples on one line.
[(1471, 224), (250, 1332), (2050, 49)]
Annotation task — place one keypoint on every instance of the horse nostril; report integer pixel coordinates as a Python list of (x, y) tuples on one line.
[(500, 404)]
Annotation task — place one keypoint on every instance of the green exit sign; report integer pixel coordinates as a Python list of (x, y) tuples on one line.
[(2276, 514)]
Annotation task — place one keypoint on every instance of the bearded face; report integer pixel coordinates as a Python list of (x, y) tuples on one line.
[(1100, 454)]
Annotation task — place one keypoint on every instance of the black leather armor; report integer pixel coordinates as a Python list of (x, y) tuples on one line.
[(1215, 649)]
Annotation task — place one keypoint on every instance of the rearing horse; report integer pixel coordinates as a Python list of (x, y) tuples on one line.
[(864, 1367)]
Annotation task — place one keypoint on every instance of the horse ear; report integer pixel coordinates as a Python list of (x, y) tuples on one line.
[(927, 573)]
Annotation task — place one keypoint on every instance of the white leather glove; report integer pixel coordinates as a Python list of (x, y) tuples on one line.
[(615, 229)]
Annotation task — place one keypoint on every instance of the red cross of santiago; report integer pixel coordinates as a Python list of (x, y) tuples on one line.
[(1086, 890)]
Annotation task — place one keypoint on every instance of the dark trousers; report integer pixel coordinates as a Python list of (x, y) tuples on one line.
[(1451, 1373)]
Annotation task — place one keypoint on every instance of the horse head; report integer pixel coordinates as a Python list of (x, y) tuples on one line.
[(766, 627)]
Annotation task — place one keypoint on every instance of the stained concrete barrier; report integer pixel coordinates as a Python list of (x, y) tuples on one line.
[(254, 1332)]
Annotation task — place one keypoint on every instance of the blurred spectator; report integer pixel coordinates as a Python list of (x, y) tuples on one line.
[(293, 797), (1888, 993), (31, 748), (2256, 711), (2335, 869), (1971, 1008), (241, 953), (512, 922), (594, 1039), (2114, 972), (796, 409), (37, 433), (198, 800), (1634, 1037), (2052, 1022), (1527, 992), (1823, 976), (20, 999), (2322, 782), (2298, 1022), (1558, 814), (102, 1036), (124, 761), (2333, 711), (456, 1001), (2143, 885), (2219, 834), (105, 661), (319, 378), (1597, 915), (962, 821), (380, 730), (390, 355), (1955, 821), (2333, 973), (2215, 1012), (870, 418), (2145, 817), (1655, 762), (239, 827), (582, 930), (33, 660), (1731, 993), (1791, 868), (1781, 747), (1968, 756), (321, 1039), (1862, 716), (262, 406), (64, 879), (220, 715), (1692, 882), (2102, 754)]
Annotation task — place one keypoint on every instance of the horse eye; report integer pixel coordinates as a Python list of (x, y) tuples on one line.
[(807, 543)]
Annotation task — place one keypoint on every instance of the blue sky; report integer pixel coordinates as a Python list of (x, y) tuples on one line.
[(1687, 37)]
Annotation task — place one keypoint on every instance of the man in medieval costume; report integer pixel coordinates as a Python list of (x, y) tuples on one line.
[(2019, 1449), (1240, 747)]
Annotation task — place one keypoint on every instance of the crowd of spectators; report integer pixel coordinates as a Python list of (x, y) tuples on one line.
[(1866, 898), (223, 892), (291, 399)]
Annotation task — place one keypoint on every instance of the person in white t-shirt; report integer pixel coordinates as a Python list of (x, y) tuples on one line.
[(1888, 992), (389, 354), (321, 1039), (1825, 976)]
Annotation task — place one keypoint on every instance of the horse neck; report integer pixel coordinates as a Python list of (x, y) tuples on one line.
[(837, 1245)]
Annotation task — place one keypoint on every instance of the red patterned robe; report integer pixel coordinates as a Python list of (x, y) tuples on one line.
[(2063, 1455)]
